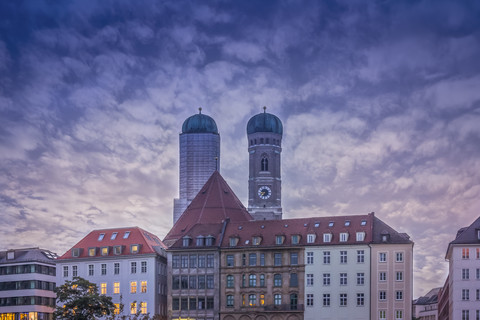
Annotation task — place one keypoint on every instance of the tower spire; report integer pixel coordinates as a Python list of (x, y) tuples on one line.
[(264, 109), (200, 110)]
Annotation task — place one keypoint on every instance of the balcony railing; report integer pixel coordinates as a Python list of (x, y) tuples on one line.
[(284, 307)]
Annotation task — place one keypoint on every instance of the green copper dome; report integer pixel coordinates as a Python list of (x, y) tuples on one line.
[(264, 122), (199, 123)]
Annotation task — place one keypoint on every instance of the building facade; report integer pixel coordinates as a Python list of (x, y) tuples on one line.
[(128, 264), (199, 158), (27, 281), (264, 133), (426, 307)]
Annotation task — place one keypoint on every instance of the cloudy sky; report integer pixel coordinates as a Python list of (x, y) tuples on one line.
[(380, 102)]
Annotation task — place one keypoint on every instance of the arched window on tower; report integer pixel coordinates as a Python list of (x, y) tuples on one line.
[(264, 164)]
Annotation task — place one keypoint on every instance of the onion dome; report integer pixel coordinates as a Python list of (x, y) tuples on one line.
[(264, 122), (199, 123)]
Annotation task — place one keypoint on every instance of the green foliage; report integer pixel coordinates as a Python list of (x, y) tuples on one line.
[(79, 300)]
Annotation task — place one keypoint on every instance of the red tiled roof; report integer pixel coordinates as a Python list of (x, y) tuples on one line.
[(148, 242), (213, 204), (269, 229)]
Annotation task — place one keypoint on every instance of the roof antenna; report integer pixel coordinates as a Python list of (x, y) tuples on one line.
[(264, 109), (200, 110), (216, 163)]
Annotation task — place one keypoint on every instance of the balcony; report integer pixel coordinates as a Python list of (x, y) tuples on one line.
[(285, 307)]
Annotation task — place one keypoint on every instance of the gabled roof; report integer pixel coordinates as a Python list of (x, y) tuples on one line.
[(430, 298), (466, 235), (214, 203), (267, 230), (26, 255), (149, 243)]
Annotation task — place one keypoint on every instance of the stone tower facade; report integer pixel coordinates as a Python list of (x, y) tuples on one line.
[(199, 158), (264, 132)]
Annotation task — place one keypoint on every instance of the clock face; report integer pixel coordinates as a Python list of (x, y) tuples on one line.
[(264, 192)]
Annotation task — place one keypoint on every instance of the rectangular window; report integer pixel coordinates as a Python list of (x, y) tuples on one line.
[(382, 276), (104, 269), (360, 299), (210, 260), (465, 294), (65, 271), (262, 280), (116, 287), (126, 234), (477, 295), (382, 257), (326, 279), (104, 251), (133, 287), (252, 259), (382, 295), (327, 237), (399, 276), (478, 252), (116, 310), (133, 308), (262, 259), (116, 268), (465, 253), (143, 307), (360, 279), (92, 252), (398, 295), (277, 299), (465, 274), (279, 239), (360, 236), (230, 301), (293, 258), (176, 261), (343, 236), (133, 267), (193, 260), (74, 271), (343, 299), (134, 248), (252, 300), (478, 273), (310, 238), (230, 281), (201, 282), (143, 287), (103, 288), (277, 280), (295, 239), (326, 299), (90, 270), (184, 261), (382, 314), (252, 280), (210, 284), (183, 282), (399, 257), (201, 261), (175, 304), (192, 282), (343, 279), (309, 300), (326, 257), (144, 266), (117, 250), (398, 315), (183, 303), (230, 261), (278, 259), (293, 280), (360, 256), (309, 279), (343, 256), (176, 282), (309, 257)]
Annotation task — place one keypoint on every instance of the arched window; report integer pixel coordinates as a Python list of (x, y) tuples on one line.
[(293, 301), (264, 164)]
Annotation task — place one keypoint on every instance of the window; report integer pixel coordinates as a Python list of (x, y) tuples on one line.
[(230, 301), (382, 295), (103, 288), (343, 279), (331, 223), (230, 281), (398, 295), (293, 280), (90, 270), (104, 251), (92, 252), (343, 299), (134, 248), (144, 266), (293, 258), (477, 296), (192, 282), (309, 279), (360, 299), (244, 281), (309, 257), (175, 304), (310, 238), (343, 236), (382, 276), (244, 259), (65, 271), (295, 239), (382, 257), (201, 261), (465, 274), (126, 234), (209, 303), (233, 241), (201, 282), (262, 299), (360, 279), (143, 307), (230, 261), (117, 250), (184, 261), (326, 257), (133, 287), (114, 236), (465, 294), (279, 239), (186, 241), (74, 271), (309, 299), (277, 280), (209, 240), (326, 299), (278, 259), (398, 315), (143, 287), (75, 252), (262, 280), (175, 261), (116, 311), (360, 256), (478, 254), (252, 280), (343, 256), (210, 284), (262, 259), (133, 267), (327, 237), (256, 241), (252, 259), (103, 269), (264, 161), (465, 253), (399, 276), (382, 314), (360, 236), (209, 260), (399, 257), (293, 301), (347, 223), (116, 287), (133, 308), (277, 299), (252, 300), (326, 279)]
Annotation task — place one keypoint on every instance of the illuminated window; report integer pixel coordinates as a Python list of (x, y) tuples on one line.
[(465, 253), (104, 251), (92, 252), (103, 288), (133, 308), (134, 248), (143, 307), (360, 236), (117, 308), (252, 300), (143, 287), (116, 287), (343, 236), (327, 237), (133, 287), (262, 299), (101, 236)]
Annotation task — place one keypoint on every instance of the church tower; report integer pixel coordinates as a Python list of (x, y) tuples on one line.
[(199, 158), (264, 132)]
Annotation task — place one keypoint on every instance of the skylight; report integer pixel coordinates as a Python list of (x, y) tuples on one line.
[(330, 224), (347, 223), (126, 234), (101, 236), (363, 223), (114, 235), (317, 224)]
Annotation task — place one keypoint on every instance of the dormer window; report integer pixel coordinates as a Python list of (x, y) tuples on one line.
[(92, 252), (134, 248), (360, 236), (279, 239), (101, 236), (126, 234), (478, 234), (76, 252), (199, 242), (209, 240), (311, 238), (327, 237), (186, 241), (233, 241), (385, 237), (343, 236), (117, 250), (104, 251), (10, 255), (295, 239), (256, 241)]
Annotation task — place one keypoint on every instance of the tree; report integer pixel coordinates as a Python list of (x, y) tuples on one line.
[(79, 300)]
